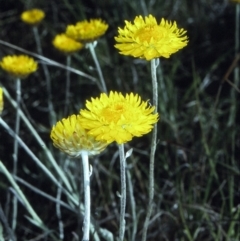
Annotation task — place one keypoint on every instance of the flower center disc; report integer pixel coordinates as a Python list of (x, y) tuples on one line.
[(114, 113), (150, 32)]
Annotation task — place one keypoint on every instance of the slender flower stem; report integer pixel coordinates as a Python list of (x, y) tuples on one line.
[(35, 218), (28, 150), (58, 212), (48, 61), (133, 205), (91, 47), (15, 149), (52, 114), (37, 161), (27, 205), (67, 91), (87, 200), (123, 191), (154, 65), (41, 142)]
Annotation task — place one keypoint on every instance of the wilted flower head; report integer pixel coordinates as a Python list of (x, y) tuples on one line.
[(87, 31), (147, 39), (19, 66), (33, 16), (1, 100), (118, 118), (65, 44), (70, 137)]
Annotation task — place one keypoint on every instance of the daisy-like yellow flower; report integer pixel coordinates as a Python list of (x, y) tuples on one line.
[(19, 66), (118, 118), (33, 16), (147, 39), (70, 137), (65, 44), (1, 100), (87, 31)]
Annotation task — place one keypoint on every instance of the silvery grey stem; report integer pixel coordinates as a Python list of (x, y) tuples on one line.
[(27, 205), (52, 115), (154, 65), (15, 149), (48, 61), (123, 191), (87, 200), (41, 142), (91, 47), (67, 91)]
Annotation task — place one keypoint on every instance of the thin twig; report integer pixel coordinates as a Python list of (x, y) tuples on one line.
[(225, 78)]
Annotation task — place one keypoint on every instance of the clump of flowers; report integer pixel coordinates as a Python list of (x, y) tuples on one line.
[(66, 44), (118, 118), (33, 16), (87, 31), (1, 100), (70, 137), (19, 66), (145, 38)]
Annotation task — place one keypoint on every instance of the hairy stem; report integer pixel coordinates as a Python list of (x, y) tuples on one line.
[(41, 142), (52, 115), (27, 205), (15, 149), (91, 47), (87, 200), (123, 191), (153, 150), (67, 91)]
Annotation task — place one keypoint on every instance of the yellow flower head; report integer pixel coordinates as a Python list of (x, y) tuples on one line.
[(19, 66), (147, 39), (118, 118), (33, 16), (237, 1), (65, 44), (87, 31), (1, 100), (69, 136)]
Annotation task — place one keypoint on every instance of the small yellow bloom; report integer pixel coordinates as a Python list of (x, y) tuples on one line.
[(65, 44), (19, 66), (1, 100), (33, 16), (69, 136), (87, 31), (118, 118), (147, 39)]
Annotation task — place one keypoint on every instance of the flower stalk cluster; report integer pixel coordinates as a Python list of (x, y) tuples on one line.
[(108, 118)]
